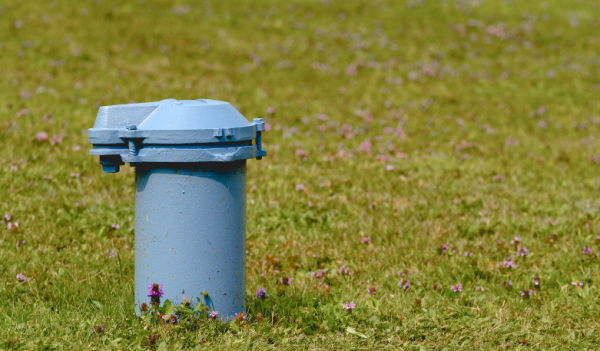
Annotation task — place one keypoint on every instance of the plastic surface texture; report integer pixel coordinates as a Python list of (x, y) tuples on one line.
[(190, 233)]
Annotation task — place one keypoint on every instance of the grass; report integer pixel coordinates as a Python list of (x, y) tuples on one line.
[(418, 124)]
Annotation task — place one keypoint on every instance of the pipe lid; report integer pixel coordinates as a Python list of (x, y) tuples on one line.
[(201, 130)]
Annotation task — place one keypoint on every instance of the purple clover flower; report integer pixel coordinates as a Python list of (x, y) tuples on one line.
[(509, 264), (404, 284), (98, 329), (527, 293), (318, 275), (262, 294), (345, 270), (456, 288), (366, 240), (587, 250), (155, 292), (240, 317), (21, 277), (349, 306), (522, 251)]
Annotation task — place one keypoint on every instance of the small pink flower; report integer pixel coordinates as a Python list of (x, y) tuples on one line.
[(300, 187), (517, 239), (509, 264), (404, 284), (7, 217), (349, 306), (270, 110), (366, 146), (499, 177), (22, 113), (389, 168), (318, 275), (456, 288), (586, 250), (41, 136), (366, 240), (345, 270), (55, 140), (14, 168), (527, 293), (21, 277)]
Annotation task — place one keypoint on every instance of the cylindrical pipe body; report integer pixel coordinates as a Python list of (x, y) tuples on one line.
[(190, 232)]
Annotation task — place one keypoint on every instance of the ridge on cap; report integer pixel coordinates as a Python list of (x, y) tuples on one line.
[(171, 114)]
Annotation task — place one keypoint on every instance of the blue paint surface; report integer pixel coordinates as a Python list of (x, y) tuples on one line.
[(191, 232)]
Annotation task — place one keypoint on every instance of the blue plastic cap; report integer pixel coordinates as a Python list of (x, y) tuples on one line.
[(175, 131)]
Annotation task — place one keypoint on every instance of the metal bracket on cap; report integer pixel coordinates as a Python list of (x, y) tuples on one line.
[(260, 127), (132, 143)]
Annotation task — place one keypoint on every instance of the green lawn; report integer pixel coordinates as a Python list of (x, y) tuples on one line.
[(409, 141)]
